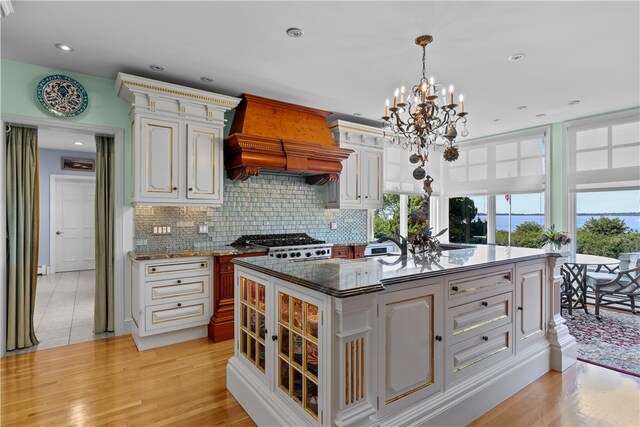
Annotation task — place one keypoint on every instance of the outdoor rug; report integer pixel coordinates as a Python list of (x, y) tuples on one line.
[(613, 342)]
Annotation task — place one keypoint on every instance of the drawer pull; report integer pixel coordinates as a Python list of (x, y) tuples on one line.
[(438, 338), (153, 269), (179, 281), (179, 304), (202, 265), (190, 189), (454, 288), (486, 338), (274, 337), (484, 303), (507, 276), (175, 188), (520, 308)]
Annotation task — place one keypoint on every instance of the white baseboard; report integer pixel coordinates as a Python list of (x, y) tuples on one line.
[(167, 338)]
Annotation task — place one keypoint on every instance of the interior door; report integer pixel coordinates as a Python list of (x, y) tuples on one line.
[(74, 224)]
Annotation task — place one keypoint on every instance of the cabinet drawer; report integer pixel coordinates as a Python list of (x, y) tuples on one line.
[(176, 267), (166, 291), (341, 252), (474, 286), (358, 251), (478, 317), (177, 315), (478, 353)]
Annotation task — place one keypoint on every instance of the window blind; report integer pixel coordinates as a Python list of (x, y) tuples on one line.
[(603, 153), (398, 171), (509, 164)]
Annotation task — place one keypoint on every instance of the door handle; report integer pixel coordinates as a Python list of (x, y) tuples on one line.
[(59, 232)]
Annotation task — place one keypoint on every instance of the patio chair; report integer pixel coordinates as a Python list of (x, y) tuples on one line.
[(623, 284), (566, 292)]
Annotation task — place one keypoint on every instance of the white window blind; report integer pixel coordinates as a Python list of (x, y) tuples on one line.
[(509, 164), (604, 153), (398, 171)]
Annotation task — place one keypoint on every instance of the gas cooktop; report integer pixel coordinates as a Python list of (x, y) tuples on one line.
[(297, 246)]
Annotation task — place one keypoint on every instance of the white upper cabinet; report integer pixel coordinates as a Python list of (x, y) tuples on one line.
[(360, 184), (204, 158), (177, 132)]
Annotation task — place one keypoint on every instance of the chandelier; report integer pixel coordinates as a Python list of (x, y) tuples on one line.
[(425, 118)]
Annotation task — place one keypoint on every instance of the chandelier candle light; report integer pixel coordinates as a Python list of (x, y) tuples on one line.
[(423, 119)]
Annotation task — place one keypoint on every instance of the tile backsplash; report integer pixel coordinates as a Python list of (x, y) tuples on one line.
[(264, 204)]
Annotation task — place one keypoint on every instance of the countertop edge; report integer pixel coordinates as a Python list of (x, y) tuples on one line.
[(195, 253), (384, 282), (309, 285)]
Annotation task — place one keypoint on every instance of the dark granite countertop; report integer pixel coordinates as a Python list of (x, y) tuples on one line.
[(209, 250), (343, 278)]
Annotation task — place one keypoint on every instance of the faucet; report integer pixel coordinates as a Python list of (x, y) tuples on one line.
[(402, 242)]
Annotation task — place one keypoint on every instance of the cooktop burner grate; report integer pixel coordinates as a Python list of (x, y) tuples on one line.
[(276, 240)]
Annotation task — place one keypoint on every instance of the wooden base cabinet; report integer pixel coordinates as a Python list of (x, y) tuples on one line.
[(170, 300), (221, 322), (347, 251), (435, 351)]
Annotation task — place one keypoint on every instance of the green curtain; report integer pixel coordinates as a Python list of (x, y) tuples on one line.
[(22, 231), (105, 203)]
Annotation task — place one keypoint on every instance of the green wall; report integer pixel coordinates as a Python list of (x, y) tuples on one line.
[(18, 96)]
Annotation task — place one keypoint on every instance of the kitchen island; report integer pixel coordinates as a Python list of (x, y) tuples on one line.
[(399, 340)]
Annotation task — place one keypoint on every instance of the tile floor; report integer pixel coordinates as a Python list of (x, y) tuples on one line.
[(64, 310)]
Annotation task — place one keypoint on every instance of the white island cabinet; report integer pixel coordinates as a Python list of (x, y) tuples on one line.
[(176, 138), (406, 342)]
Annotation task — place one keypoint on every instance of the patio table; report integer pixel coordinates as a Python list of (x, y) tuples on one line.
[(577, 266)]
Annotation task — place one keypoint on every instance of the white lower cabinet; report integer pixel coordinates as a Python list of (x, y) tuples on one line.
[(410, 347), (435, 351), (170, 300), (530, 299), (280, 338)]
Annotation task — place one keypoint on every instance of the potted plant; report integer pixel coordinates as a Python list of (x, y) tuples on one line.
[(555, 241)]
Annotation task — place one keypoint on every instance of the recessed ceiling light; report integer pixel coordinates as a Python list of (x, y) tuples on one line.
[(294, 32), (517, 56), (206, 79), (496, 120), (521, 107), (357, 114), (64, 47), (540, 115), (574, 102), (156, 67), (78, 143)]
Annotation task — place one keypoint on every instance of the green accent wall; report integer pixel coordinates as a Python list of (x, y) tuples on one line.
[(18, 97)]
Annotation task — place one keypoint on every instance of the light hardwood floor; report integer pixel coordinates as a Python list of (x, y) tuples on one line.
[(109, 382)]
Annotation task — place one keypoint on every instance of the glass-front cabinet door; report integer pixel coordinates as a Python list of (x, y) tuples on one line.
[(298, 349), (253, 329)]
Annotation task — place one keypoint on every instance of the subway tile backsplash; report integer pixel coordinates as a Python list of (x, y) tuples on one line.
[(264, 204)]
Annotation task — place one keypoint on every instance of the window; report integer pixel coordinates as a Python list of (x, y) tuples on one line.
[(608, 223), (488, 169), (403, 214), (525, 212), (602, 161), (468, 219), (386, 220)]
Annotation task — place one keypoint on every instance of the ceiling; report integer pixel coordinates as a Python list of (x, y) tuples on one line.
[(55, 139), (354, 54)]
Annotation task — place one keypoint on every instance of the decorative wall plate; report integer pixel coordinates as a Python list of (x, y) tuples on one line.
[(62, 95)]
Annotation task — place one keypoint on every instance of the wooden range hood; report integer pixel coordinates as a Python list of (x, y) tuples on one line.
[(281, 137)]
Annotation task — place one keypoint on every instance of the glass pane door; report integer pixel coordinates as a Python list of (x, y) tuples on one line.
[(298, 349), (252, 321)]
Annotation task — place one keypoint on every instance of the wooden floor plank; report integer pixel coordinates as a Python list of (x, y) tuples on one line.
[(110, 383)]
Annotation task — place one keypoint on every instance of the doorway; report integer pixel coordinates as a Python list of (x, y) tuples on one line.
[(70, 287), (72, 224)]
